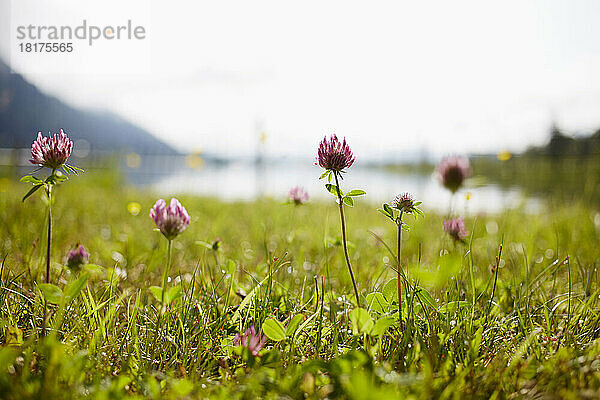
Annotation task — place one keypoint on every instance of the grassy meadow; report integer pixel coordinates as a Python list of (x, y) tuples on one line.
[(510, 313)]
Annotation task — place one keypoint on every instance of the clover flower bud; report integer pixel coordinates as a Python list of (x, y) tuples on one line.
[(77, 257), (452, 172), (250, 339), (298, 195), (171, 220)]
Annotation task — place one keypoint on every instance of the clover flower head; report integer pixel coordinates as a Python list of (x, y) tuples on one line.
[(52, 151), (298, 195), (452, 171), (334, 155), (77, 257), (170, 220), (455, 228), (404, 202), (250, 339)]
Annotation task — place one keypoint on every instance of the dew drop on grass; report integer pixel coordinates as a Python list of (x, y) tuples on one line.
[(386, 259), (307, 266), (105, 232), (549, 253), (491, 227)]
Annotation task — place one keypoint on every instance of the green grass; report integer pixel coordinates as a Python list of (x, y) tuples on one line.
[(536, 336)]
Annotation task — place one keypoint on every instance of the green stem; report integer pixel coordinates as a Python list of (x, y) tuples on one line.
[(495, 281), (47, 279), (472, 274), (570, 289), (341, 204), (165, 280), (399, 222), (49, 235)]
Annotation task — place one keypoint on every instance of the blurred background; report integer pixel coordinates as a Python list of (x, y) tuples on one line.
[(230, 99)]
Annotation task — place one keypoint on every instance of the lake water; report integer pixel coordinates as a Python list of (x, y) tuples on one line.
[(247, 181)]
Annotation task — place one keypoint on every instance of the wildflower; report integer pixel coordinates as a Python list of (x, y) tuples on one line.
[(77, 257), (171, 220), (334, 155), (455, 227), (251, 340), (52, 151), (133, 160), (404, 202), (452, 171), (194, 160), (134, 208), (504, 155), (298, 195)]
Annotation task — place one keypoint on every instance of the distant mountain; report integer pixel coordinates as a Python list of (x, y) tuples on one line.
[(24, 111)]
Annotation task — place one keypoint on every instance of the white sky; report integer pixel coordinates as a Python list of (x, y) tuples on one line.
[(391, 76)]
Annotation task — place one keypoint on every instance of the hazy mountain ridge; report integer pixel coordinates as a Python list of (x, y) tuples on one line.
[(25, 110)]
